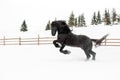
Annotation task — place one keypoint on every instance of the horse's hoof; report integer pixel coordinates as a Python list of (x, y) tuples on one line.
[(57, 46), (93, 59), (66, 52), (87, 59)]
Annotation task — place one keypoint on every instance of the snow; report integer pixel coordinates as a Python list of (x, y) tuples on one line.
[(43, 62), (46, 62), (97, 31)]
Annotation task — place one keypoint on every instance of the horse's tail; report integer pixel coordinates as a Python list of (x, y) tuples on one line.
[(99, 41)]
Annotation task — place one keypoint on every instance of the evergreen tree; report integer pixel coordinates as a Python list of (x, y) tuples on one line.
[(94, 19), (99, 18), (76, 23), (118, 19), (79, 21), (24, 27), (83, 23), (71, 21), (107, 18), (48, 26), (114, 15)]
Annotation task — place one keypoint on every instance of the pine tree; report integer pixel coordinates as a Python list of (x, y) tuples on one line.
[(79, 21), (114, 15), (107, 17), (71, 21), (99, 18), (48, 26), (94, 19), (118, 19), (76, 23), (83, 23), (109, 20), (23, 27)]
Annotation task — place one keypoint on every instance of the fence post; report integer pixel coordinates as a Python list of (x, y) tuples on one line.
[(38, 39), (19, 40), (4, 40)]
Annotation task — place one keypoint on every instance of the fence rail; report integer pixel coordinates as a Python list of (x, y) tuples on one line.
[(111, 42), (26, 41), (47, 40)]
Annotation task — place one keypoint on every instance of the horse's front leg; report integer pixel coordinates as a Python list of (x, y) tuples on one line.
[(64, 51), (55, 43)]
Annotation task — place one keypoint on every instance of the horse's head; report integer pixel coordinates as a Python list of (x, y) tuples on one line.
[(59, 26), (54, 28)]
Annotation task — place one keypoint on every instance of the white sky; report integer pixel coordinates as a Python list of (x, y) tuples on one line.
[(38, 12)]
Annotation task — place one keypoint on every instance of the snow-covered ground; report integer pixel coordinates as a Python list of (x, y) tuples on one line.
[(45, 62)]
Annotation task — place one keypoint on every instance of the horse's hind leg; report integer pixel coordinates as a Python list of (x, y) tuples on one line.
[(93, 54), (64, 51), (87, 54)]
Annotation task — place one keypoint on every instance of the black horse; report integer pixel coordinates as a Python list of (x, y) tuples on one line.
[(66, 37)]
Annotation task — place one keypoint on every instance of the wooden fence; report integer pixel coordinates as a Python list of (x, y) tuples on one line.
[(46, 40), (26, 41), (111, 42)]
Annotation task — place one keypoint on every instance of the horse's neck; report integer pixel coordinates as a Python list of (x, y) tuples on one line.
[(63, 32)]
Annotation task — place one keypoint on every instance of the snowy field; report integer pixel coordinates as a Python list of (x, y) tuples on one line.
[(45, 62)]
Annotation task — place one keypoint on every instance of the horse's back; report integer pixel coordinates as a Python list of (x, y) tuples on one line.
[(77, 40)]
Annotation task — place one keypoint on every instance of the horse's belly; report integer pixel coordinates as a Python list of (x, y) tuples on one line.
[(74, 43), (78, 42)]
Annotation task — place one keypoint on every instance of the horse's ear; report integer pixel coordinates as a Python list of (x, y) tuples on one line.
[(53, 23)]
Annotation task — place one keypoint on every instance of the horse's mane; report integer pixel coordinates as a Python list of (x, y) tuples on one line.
[(62, 24)]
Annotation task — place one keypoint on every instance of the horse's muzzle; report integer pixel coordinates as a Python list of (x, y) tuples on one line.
[(53, 33)]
